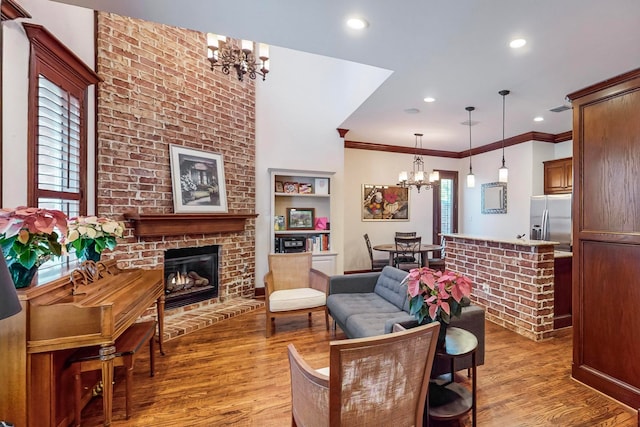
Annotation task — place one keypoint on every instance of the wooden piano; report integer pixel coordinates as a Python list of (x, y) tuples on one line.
[(93, 306)]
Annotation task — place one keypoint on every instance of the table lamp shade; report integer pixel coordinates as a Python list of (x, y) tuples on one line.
[(9, 304)]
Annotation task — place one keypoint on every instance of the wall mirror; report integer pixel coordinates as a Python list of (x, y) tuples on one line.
[(494, 198)]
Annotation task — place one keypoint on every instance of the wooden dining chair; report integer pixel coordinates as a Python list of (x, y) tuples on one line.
[(437, 262), (376, 264), (408, 253), (406, 234)]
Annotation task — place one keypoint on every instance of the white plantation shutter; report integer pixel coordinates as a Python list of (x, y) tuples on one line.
[(446, 205), (58, 148)]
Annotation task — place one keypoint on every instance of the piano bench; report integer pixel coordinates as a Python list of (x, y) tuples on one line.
[(127, 346)]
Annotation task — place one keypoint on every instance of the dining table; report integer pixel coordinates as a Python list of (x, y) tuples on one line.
[(424, 251)]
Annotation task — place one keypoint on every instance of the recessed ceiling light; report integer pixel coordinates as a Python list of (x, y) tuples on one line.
[(538, 119), (429, 99), (412, 111), (515, 44), (357, 23)]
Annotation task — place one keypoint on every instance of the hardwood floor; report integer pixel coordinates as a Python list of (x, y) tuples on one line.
[(229, 374)]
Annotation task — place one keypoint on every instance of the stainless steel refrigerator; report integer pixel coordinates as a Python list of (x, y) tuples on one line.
[(550, 219)]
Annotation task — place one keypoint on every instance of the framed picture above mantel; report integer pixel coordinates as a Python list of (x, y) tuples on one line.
[(198, 181)]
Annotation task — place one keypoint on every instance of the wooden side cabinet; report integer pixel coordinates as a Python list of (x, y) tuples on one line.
[(558, 176)]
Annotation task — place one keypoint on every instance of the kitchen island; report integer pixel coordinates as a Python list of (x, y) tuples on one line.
[(513, 280)]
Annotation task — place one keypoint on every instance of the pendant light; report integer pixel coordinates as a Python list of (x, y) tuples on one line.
[(471, 179), (503, 172)]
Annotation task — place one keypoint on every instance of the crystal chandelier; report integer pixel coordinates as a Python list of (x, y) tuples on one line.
[(416, 178), (244, 60)]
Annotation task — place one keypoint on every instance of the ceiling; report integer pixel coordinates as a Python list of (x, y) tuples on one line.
[(455, 51)]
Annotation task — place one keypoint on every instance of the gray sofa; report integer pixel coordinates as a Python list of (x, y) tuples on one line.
[(369, 304)]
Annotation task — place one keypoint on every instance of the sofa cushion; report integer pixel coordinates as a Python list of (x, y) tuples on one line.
[(342, 306), (295, 299), (389, 287), (369, 324)]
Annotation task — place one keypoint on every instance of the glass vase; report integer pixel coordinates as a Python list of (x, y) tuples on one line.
[(89, 253), (21, 275)]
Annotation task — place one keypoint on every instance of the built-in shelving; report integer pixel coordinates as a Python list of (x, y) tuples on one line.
[(310, 190), (301, 195), (291, 232)]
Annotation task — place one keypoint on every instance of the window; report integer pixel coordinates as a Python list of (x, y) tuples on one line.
[(57, 152), (59, 160), (445, 206)]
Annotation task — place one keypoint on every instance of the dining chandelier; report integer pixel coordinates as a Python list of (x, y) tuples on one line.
[(416, 178), (244, 59)]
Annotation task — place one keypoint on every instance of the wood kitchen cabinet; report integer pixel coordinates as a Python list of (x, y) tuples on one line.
[(562, 292), (558, 176)]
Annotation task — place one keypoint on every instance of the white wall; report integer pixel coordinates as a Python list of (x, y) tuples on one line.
[(485, 167), (376, 167), (563, 150), (73, 26), (298, 108), (525, 180)]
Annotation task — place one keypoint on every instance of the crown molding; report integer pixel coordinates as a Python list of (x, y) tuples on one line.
[(12, 10), (514, 140)]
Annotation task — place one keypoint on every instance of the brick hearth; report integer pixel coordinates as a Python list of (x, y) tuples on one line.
[(187, 319)]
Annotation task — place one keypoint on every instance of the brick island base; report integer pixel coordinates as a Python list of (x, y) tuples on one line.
[(513, 280)]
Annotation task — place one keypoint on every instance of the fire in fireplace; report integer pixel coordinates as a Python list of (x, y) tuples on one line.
[(191, 275)]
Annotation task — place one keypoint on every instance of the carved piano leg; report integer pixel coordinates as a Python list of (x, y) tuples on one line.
[(160, 311), (107, 354)]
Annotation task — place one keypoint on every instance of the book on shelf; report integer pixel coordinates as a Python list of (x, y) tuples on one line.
[(318, 243)]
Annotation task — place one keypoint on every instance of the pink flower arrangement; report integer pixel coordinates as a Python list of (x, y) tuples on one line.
[(436, 294), (29, 236)]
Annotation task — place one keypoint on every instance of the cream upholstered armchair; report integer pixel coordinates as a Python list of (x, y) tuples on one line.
[(293, 287), (381, 380)]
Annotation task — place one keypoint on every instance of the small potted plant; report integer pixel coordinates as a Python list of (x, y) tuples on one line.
[(434, 295), (89, 236), (28, 238)]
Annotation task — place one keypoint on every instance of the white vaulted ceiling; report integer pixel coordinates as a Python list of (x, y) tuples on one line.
[(453, 50)]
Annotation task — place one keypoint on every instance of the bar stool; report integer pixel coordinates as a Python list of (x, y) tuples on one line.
[(127, 346)]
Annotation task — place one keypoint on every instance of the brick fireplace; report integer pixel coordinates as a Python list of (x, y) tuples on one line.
[(191, 275), (157, 90)]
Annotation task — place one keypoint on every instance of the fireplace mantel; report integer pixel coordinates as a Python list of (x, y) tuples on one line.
[(156, 225)]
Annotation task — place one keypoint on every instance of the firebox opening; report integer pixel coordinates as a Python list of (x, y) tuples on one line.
[(191, 275)]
